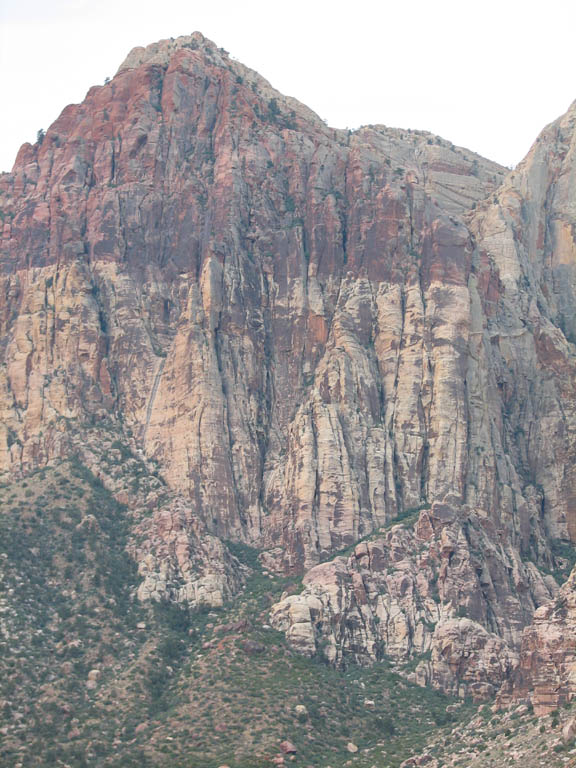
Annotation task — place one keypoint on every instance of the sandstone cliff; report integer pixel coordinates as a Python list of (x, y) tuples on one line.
[(308, 333), (519, 487), (249, 292)]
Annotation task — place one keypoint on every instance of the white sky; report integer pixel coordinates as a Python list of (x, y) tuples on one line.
[(486, 75)]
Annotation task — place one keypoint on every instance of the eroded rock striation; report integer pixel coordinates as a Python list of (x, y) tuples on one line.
[(310, 333)]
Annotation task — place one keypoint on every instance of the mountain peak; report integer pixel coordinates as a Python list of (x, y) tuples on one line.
[(162, 51)]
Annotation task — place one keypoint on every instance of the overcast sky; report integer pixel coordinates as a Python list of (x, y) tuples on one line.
[(486, 75)]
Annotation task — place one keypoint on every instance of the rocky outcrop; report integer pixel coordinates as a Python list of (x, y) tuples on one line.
[(309, 333), (442, 596), (178, 561), (546, 674)]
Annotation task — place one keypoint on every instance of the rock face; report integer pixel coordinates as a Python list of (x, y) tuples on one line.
[(310, 333), (177, 559), (251, 292), (546, 674), (444, 593), (525, 277), (519, 398)]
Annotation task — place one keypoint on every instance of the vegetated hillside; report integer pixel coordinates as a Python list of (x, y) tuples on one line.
[(494, 739), (234, 329), (89, 676)]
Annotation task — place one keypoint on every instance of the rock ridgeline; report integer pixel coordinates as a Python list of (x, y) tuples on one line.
[(317, 338)]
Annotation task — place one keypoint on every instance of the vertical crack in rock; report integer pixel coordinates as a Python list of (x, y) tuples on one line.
[(152, 398)]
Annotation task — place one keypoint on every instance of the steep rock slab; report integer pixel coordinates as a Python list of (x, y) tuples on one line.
[(524, 280)]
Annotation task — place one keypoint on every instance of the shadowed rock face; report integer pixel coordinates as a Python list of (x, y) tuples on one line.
[(311, 331)]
